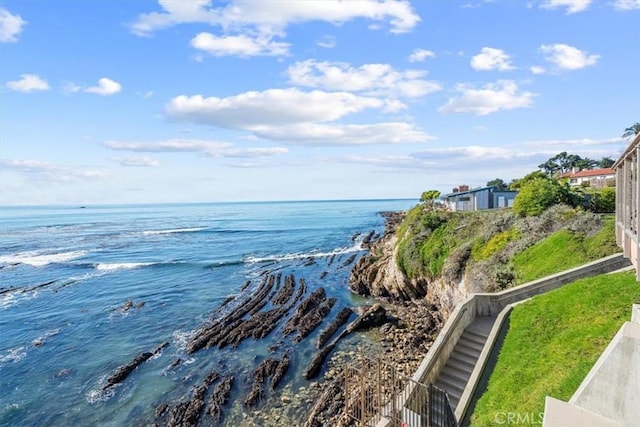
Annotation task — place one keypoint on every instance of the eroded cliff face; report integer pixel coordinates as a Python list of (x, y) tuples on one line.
[(377, 274)]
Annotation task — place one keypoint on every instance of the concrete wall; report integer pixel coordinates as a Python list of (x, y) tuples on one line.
[(610, 393), (612, 387), (443, 346), (487, 304)]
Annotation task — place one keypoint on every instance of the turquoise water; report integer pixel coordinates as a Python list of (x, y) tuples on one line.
[(65, 274)]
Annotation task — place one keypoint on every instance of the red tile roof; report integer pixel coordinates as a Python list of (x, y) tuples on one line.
[(592, 172)]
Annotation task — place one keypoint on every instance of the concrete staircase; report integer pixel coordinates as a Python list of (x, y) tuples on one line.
[(457, 371)]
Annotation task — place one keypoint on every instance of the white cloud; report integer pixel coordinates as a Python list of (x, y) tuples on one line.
[(536, 69), (70, 87), (49, 172), (10, 26), (240, 45), (573, 6), (374, 79), (419, 55), (493, 97), (275, 15), (627, 4), (105, 87), (28, 83), (507, 161), (209, 148), (568, 57), (296, 117), (492, 59), (327, 42), (273, 107), (136, 161), (482, 168), (326, 135), (252, 28), (572, 143)]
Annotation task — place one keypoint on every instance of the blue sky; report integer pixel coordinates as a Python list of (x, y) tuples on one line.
[(147, 101)]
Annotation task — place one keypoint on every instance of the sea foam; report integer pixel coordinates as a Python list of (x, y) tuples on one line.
[(40, 258)]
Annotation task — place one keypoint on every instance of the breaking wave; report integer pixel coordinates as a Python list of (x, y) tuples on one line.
[(173, 231), (40, 259), (111, 266), (357, 247)]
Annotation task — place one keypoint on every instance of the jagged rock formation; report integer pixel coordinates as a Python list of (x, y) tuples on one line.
[(123, 371), (377, 273), (373, 316)]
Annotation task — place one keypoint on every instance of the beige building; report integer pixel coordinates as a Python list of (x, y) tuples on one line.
[(627, 169)]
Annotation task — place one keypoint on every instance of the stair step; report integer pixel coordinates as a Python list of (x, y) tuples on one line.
[(438, 404), (454, 371), (464, 358), (454, 398), (453, 401), (470, 346), (475, 337), (458, 383), (462, 368)]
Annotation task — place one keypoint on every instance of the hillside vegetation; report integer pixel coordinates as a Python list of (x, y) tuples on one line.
[(493, 250), (553, 341)]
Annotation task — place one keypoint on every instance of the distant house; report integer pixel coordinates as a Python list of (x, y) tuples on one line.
[(596, 178), (464, 199)]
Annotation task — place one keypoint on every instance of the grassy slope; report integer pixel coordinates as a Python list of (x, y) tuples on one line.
[(504, 250), (563, 250), (553, 341)]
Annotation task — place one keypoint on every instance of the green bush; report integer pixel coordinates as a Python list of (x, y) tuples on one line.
[(484, 250), (436, 249), (420, 242), (603, 200), (537, 195)]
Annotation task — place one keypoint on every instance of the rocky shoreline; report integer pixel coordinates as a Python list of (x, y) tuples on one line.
[(394, 326), (402, 340)]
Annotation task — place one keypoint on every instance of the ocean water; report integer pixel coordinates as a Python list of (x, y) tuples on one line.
[(67, 273)]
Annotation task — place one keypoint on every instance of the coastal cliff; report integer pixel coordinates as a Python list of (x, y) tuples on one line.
[(442, 257), (377, 274)]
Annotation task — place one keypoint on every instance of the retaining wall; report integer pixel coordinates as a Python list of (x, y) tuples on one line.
[(492, 304)]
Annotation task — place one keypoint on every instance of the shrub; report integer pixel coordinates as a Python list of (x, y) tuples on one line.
[(603, 201), (537, 195), (495, 244)]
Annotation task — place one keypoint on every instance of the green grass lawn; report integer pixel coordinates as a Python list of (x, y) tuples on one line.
[(564, 249), (552, 343)]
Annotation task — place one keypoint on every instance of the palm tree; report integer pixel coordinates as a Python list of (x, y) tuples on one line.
[(632, 130)]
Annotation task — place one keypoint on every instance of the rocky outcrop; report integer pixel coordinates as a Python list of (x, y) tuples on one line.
[(340, 320), (220, 397), (377, 274), (123, 371), (187, 413), (270, 368), (373, 316)]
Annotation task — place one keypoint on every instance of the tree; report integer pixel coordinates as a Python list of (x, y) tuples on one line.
[(498, 184), (515, 184), (537, 195), (564, 162), (585, 163), (429, 197), (606, 162), (632, 130)]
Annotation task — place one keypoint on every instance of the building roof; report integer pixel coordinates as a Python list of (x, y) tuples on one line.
[(632, 146), (591, 172), (475, 190)]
